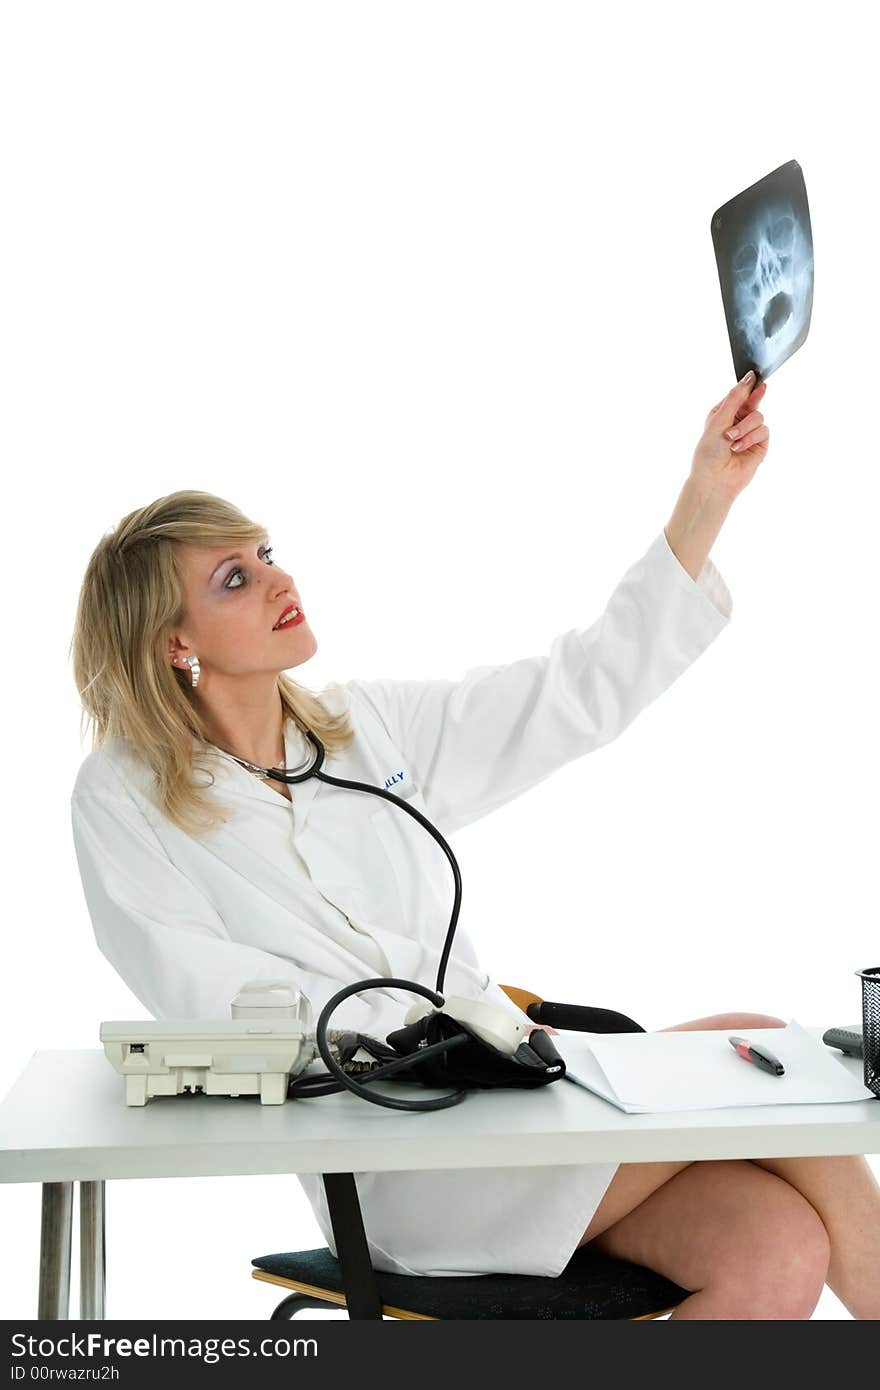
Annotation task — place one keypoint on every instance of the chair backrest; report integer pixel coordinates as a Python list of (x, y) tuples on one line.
[(521, 997), (583, 1017)]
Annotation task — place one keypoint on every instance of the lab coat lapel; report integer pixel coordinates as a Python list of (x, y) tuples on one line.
[(296, 749), (235, 781)]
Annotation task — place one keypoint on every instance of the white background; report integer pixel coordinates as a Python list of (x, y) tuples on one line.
[(429, 291)]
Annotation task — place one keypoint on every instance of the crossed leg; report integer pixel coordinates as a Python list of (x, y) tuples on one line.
[(745, 1242), (752, 1238)]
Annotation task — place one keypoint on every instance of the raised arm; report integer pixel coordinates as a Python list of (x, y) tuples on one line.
[(733, 444), (476, 743)]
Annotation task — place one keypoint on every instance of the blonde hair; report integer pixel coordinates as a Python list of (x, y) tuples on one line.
[(130, 601)]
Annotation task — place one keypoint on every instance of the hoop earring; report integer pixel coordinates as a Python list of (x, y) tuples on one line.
[(194, 669)]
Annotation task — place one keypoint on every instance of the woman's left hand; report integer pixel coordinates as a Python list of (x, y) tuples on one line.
[(530, 1028), (735, 441)]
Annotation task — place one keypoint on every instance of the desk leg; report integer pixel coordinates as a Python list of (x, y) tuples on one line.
[(92, 1251), (55, 1236), (346, 1218)]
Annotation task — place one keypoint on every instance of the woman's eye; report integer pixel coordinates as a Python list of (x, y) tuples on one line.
[(229, 585)]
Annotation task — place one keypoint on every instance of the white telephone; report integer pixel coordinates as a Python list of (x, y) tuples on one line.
[(269, 1038)]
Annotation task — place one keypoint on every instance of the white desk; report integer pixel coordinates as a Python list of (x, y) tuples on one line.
[(65, 1120)]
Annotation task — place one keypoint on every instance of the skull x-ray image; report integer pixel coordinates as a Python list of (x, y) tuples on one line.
[(764, 252)]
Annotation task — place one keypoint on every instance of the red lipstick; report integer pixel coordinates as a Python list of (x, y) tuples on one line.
[(294, 622)]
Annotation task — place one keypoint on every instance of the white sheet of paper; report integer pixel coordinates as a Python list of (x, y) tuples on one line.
[(656, 1072)]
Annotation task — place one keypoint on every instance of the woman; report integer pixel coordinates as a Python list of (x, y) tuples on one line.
[(200, 875)]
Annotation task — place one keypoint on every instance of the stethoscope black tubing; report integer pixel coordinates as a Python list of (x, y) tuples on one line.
[(359, 1088), (321, 1086), (314, 771)]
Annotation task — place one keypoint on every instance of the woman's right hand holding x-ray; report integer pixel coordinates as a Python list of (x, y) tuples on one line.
[(734, 442), (721, 467)]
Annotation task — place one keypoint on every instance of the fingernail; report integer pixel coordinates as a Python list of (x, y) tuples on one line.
[(749, 376)]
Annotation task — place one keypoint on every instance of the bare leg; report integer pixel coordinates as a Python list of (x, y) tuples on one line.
[(630, 1186), (735, 1020), (845, 1193), (746, 1243)]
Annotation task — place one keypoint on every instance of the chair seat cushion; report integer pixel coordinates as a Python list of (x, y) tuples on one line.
[(592, 1286)]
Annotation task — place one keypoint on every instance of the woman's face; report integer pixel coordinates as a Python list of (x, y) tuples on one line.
[(233, 597)]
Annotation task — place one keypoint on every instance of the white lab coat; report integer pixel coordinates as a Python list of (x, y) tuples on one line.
[(340, 885)]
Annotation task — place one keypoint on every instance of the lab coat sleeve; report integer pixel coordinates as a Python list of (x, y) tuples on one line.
[(162, 935), (476, 743)]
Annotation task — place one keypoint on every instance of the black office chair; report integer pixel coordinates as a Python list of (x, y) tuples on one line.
[(592, 1285)]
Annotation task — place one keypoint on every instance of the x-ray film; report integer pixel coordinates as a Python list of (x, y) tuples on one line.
[(764, 252)]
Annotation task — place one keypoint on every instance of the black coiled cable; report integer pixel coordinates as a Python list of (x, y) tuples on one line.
[(320, 1085)]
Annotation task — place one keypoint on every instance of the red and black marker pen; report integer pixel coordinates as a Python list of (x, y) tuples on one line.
[(763, 1059)]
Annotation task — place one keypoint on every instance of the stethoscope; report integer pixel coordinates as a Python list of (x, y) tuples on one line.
[(318, 1085)]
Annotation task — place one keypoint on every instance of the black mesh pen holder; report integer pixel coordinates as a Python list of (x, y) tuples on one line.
[(871, 1026)]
